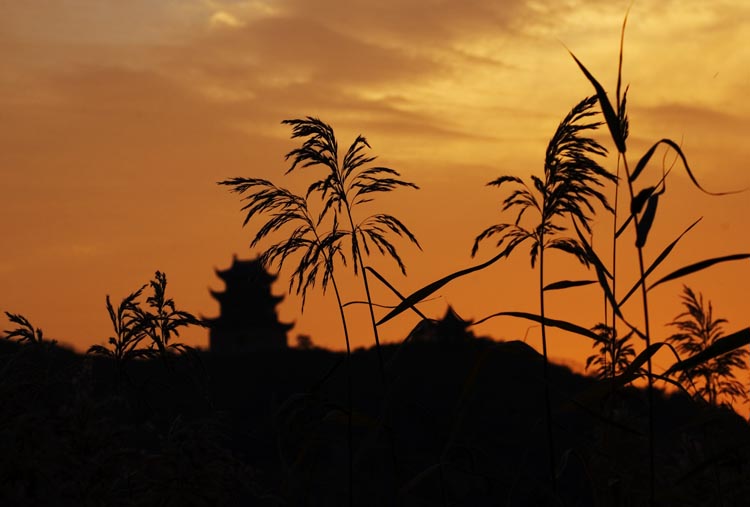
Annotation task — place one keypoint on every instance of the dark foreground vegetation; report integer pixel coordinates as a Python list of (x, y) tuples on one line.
[(462, 424)]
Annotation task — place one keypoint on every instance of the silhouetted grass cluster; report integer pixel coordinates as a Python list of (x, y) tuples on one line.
[(347, 183), (85, 430)]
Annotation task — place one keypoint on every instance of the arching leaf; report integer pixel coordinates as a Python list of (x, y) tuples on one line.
[(561, 324), (698, 266), (429, 289), (659, 259), (565, 284), (647, 157), (636, 205), (721, 346), (393, 289), (647, 220), (613, 122)]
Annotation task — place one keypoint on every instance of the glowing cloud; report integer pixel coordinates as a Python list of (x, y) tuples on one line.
[(223, 19)]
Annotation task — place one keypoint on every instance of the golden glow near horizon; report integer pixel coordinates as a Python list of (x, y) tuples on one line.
[(118, 119)]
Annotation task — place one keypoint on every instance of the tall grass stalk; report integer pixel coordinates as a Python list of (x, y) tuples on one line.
[(124, 344), (349, 182), (643, 207), (618, 126), (133, 325), (163, 322), (572, 182), (647, 332), (317, 253)]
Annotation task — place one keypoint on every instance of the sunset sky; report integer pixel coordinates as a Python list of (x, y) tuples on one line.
[(118, 118)]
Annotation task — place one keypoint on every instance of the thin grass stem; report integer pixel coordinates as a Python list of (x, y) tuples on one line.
[(647, 337), (349, 398), (547, 400)]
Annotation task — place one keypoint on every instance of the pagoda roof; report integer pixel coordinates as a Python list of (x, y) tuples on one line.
[(250, 268), (452, 318), (222, 296)]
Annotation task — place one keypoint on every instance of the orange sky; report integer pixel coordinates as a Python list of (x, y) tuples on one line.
[(117, 118)]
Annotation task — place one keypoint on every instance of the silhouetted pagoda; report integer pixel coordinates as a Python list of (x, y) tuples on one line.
[(247, 318), (452, 328)]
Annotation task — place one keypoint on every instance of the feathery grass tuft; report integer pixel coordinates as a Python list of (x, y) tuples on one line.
[(286, 210), (133, 324), (573, 180), (25, 332), (348, 183), (613, 355), (697, 331)]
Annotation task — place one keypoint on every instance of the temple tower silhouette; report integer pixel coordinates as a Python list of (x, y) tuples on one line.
[(451, 328), (247, 318)]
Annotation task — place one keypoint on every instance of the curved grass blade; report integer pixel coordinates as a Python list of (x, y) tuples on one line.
[(673, 382), (633, 370), (721, 346), (636, 205), (631, 373), (643, 161), (565, 284), (385, 282), (624, 226), (597, 392), (601, 271), (427, 290), (561, 324), (376, 305), (593, 257), (698, 266), (663, 255), (647, 157), (647, 220), (620, 105), (613, 122)]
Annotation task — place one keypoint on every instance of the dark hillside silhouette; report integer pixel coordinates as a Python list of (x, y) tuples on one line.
[(247, 318), (269, 427)]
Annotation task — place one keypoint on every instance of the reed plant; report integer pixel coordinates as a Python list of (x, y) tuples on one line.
[(25, 332), (145, 331), (572, 184), (124, 345), (348, 183), (643, 208), (614, 353), (289, 214), (714, 380), (162, 321), (616, 356)]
